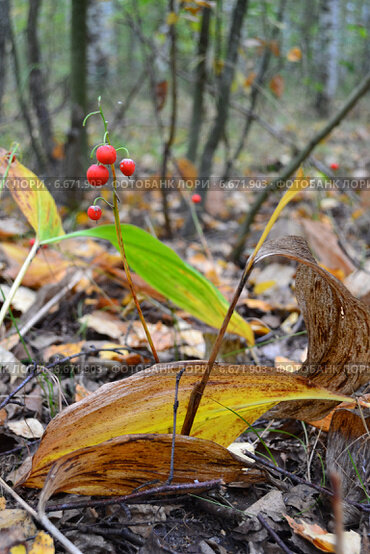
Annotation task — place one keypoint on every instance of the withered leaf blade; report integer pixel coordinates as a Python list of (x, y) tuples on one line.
[(338, 326), (143, 403), (118, 466)]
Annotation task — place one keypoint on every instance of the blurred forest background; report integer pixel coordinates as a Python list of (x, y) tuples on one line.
[(236, 87)]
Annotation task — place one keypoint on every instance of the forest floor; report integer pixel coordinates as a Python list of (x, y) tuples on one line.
[(98, 311)]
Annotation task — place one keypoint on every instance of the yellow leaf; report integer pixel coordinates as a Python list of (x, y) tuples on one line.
[(294, 54), (33, 198), (262, 287), (143, 403), (43, 544), (172, 18)]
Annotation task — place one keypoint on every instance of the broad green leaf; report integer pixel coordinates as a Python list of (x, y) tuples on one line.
[(143, 403), (33, 198), (166, 272)]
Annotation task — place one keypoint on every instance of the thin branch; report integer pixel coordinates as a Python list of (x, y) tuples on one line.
[(274, 535), (163, 489)]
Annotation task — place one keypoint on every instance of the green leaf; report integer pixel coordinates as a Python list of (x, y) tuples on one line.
[(167, 273)]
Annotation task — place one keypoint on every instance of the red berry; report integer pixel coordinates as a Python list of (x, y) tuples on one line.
[(196, 198), (334, 166), (106, 154), (97, 175), (7, 155), (32, 242), (127, 167), (94, 212)]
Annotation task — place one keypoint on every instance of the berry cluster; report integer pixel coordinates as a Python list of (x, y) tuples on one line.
[(98, 174)]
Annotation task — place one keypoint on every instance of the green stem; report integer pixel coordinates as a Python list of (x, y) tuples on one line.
[(126, 266), (122, 247), (18, 280)]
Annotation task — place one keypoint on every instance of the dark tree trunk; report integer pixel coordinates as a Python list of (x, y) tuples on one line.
[(4, 26), (199, 86), (217, 129), (37, 80), (256, 88), (23, 104), (76, 147)]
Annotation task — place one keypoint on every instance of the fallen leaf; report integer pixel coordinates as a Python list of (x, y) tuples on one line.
[(22, 300), (9, 363), (187, 170), (43, 544), (120, 465), (277, 85), (143, 403), (10, 227), (323, 540), (324, 423), (250, 79), (16, 526), (294, 54), (325, 245), (47, 267), (29, 428)]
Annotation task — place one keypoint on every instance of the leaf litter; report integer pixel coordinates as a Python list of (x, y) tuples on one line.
[(319, 359)]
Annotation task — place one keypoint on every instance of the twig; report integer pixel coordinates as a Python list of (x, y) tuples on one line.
[(274, 535), (358, 92), (163, 489), (175, 407)]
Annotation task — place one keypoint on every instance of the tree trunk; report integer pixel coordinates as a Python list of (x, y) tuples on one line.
[(225, 82), (333, 52), (327, 55), (4, 25), (37, 81), (23, 104), (199, 86), (76, 147), (256, 88)]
